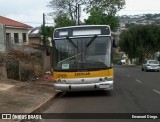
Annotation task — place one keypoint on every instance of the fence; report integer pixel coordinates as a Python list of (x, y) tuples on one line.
[(23, 63)]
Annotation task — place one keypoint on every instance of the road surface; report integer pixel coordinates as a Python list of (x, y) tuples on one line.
[(135, 91)]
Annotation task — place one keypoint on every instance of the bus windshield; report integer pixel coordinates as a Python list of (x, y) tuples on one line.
[(83, 53)]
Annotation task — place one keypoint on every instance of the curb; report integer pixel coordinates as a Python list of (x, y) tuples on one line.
[(40, 108)]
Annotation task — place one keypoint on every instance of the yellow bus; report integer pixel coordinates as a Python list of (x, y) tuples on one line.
[(83, 58)]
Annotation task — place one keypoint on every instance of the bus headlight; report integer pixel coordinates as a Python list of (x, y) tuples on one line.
[(108, 78), (59, 81), (64, 81), (100, 79)]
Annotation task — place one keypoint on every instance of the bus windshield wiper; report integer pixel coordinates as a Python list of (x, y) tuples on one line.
[(69, 58), (90, 42), (71, 41)]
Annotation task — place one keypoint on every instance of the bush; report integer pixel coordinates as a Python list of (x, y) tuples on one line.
[(12, 68), (23, 66), (26, 74)]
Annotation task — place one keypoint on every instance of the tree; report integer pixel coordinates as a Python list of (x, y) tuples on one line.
[(47, 40), (46, 32), (62, 20), (97, 16), (109, 7), (66, 6), (141, 41)]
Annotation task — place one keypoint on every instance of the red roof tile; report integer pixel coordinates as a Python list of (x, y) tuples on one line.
[(13, 23)]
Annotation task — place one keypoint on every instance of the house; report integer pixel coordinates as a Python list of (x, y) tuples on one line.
[(12, 32), (35, 41), (34, 36)]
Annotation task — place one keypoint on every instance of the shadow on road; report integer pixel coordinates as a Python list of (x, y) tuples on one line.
[(88, 94)]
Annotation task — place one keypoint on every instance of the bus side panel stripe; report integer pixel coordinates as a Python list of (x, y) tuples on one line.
[(89, 74)]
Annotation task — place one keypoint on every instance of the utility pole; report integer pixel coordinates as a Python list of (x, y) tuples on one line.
[(45, 42), (78, 14), (44, 36), (44, 19)]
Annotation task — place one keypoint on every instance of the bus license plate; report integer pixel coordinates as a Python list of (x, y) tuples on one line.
[(103, 86)]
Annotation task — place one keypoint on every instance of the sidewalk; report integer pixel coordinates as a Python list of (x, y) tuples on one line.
[(23, 97)]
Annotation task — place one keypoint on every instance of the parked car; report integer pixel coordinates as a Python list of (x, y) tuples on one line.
[(151, 65), (119, 63)]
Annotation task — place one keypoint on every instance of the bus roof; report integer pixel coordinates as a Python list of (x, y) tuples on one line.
[(82, 30), (77, 26)]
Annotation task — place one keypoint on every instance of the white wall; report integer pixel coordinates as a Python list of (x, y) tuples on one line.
[(20, 31), (2, 36)]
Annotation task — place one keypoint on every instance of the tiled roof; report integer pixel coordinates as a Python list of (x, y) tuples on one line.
[(13, 23)]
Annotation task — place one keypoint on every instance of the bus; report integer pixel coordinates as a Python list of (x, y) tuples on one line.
[(83, 58)]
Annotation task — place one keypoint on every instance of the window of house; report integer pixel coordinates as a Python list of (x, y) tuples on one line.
[(16, 38), (8, 37), (24, 37)]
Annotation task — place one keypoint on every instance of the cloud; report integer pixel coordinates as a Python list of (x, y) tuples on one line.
[(31, 11), (133, 7), (26, 11)]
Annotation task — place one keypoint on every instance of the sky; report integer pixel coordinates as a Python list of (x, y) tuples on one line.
[(31, 11)]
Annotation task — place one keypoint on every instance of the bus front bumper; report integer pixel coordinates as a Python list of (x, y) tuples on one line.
[(108, 85)]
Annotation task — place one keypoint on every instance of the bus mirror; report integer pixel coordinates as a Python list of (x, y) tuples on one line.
[(114, 44), (47, 52)]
